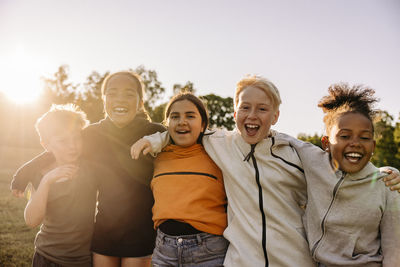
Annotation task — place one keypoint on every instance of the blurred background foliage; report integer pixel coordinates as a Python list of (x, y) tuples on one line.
[(17, 121)]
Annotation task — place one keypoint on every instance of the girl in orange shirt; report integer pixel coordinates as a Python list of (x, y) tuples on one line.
[(189, 212)]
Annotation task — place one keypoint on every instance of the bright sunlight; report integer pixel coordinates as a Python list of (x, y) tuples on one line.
[(21, 83)]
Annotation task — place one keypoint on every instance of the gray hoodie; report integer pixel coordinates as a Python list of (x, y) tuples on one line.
[(351, 219)]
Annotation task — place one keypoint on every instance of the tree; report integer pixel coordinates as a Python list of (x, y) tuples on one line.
[(188, 87), (397, 137), (386, 150), (313, 139), (158, 113), (220, 111), (90, 100), (154, 91), (57, 89)]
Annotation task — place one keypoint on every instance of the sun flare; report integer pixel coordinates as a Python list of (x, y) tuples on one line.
[(21, 91), (22, 83)]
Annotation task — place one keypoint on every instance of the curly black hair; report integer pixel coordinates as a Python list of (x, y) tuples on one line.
[(344, 98)]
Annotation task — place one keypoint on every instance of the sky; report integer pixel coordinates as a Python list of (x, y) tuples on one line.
[(302, 46)]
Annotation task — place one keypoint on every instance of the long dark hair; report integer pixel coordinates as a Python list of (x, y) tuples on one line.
[(141, 89)]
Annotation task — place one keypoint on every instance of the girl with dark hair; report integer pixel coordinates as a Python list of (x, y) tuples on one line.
[(123, 230), (189, 211), (352, 218)]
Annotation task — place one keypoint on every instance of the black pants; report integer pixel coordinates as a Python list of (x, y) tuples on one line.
[(40, 261)]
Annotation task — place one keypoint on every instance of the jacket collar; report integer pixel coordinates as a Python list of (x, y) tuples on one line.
[(264, 145), (368, 170)]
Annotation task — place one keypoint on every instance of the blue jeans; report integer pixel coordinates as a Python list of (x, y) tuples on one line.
[(200, 250)]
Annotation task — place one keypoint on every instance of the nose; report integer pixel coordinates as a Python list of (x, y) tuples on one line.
[(252, 113), (182, 121), (120, 97), (355, 141)]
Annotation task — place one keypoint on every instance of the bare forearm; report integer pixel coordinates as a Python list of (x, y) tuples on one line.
[(35, 210)]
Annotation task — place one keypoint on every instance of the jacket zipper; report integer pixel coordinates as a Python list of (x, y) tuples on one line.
[(335, 190), (260, 202)]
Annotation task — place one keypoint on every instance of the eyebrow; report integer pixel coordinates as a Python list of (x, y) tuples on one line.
[(258, 104), (187, 112), (345, 129), (125, 90)]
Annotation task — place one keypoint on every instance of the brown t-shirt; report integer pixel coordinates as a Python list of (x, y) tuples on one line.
[(66, 232)]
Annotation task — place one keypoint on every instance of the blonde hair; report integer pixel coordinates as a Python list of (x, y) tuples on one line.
[(261, 83), (60, 118)]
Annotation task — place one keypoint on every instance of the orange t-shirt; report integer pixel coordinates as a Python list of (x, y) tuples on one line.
[(188, 187)]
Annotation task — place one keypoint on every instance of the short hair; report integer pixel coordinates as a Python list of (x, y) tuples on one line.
[(343, 99), (58, 119), (201, 107), (261, 83)]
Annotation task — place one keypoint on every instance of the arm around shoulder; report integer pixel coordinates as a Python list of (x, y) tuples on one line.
[(23, 176), (158, 141), (392, 179)]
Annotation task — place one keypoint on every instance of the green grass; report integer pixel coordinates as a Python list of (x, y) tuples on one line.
[(16, 239)]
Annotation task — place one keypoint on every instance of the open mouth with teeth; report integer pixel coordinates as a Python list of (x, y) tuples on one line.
[(182, 131), (120, 110), (251, 129), (353, 157)]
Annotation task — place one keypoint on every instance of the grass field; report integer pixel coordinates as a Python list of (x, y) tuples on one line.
[(16, 239)]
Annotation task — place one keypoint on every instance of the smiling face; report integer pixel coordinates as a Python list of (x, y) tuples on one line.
[(184, 123), (254, 114), (121, 99), (351, 142)]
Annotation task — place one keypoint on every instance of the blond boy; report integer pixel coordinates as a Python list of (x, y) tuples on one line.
[(64, 199)]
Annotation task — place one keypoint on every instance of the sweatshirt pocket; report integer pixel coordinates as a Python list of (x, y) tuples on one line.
[(336, 245)]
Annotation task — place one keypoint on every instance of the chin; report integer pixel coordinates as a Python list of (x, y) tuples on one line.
[(353, 169)]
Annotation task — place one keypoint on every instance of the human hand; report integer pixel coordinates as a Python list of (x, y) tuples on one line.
[(17, 193), (141, 145), (392, 180), (60, 174)]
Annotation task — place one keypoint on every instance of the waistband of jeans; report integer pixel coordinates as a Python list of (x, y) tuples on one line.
[(187, 239)]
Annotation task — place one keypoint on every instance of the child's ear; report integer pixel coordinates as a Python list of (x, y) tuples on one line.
[(325, 143), (234, 115), (276, 117)]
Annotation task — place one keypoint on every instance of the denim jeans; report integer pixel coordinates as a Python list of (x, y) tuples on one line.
[(200, 250)]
